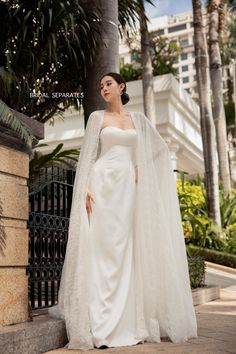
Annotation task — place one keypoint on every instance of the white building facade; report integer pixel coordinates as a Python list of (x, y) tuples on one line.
[(177, 120), (177, 28)]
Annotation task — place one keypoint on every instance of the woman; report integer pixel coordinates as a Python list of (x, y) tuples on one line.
[(125, 276)]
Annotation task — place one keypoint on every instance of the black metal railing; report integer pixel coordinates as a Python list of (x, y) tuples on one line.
[(49, 205)]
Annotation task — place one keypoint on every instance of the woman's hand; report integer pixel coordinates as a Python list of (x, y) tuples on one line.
[(89, 198)]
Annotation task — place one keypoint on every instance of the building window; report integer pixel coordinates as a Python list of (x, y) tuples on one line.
[(176, 60), (193, 55), (185, 79), (184, 42), (177, 28), (173, 41), (158, 32), (184, 68), (184, 56), (191, 24), (135, 57), (122, 61)]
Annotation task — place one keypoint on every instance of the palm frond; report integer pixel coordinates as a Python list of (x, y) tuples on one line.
[(9, 120), (129, 12), (57, 157)]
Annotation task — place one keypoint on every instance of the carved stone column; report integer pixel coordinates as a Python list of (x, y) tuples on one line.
[(173, 148)]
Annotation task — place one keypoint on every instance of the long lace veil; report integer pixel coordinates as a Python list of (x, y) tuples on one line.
[(162, 288)]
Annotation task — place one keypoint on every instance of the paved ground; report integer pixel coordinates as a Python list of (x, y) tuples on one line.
[(219, 277), (216, 325)]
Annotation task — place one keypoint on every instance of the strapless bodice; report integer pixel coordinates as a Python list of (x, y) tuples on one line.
[(116, 142)]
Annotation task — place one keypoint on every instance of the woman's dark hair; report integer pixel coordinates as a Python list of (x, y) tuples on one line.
[(119, 79)]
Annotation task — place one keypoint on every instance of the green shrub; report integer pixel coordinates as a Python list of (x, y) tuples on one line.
[(231, 240), (196, 266), (213, 256), (199, 228), (228, 211)]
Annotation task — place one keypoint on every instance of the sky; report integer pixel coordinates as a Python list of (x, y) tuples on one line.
[(168, 7)]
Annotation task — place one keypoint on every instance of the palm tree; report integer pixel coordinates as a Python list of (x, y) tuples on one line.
[(106, 58), (147, 69), (42, 50), (228, 56), (206, 119), (217, 93), (114, 17)]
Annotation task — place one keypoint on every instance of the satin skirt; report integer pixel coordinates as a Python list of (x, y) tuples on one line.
[(112, 308)]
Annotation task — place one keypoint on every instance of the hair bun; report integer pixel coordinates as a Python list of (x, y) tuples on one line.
[(124, 98)]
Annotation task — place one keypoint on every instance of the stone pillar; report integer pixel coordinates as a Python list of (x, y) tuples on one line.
[(14, 172), (14, 167)]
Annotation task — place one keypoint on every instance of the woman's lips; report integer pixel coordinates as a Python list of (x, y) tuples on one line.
[(107, 93)]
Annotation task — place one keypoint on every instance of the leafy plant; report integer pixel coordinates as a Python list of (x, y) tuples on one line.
[(130, 73), (199, 229), (164, 55), (227, 210), (231, 240), (57, 157)]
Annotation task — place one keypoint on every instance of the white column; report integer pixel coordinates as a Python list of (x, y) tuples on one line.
[(173, 148)]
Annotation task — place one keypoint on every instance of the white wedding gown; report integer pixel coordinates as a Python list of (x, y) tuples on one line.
[(112, 295)]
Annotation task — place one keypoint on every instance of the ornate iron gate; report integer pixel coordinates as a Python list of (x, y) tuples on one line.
[(49, 205)]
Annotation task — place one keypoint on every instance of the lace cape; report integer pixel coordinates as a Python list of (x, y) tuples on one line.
[(162, 287)]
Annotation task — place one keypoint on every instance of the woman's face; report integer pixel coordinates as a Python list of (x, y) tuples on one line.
[(110, 89)]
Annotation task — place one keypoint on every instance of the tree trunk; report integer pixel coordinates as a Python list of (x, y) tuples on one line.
[(206, 119), (107, 58), (217, 93), (147, 70)]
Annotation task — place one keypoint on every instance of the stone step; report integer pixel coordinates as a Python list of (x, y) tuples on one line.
[(34, 337), (45, 333)]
